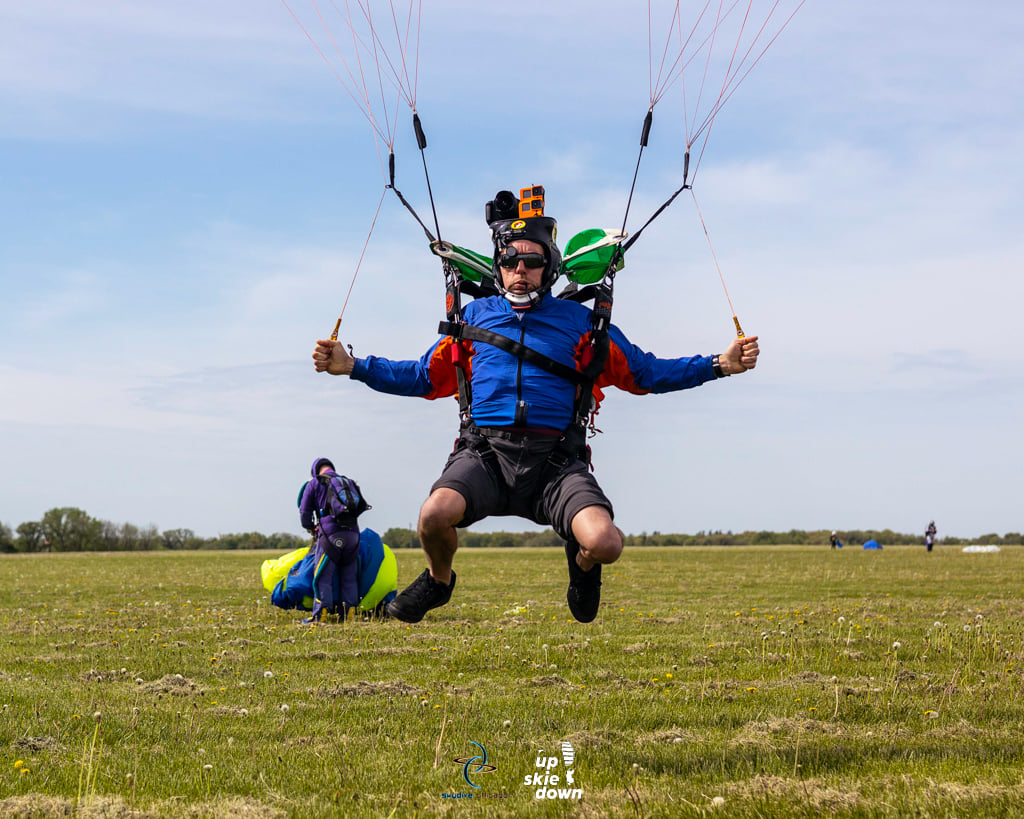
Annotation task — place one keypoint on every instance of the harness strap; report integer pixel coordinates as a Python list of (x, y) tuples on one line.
[(458, 331)]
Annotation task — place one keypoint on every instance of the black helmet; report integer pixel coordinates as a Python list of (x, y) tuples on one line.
[(502, 214)]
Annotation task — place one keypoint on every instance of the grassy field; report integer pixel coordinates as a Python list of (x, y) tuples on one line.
[(739, 682)]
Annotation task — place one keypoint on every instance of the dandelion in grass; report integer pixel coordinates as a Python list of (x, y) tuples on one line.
[(841, 620), (285, 708), (18, 763), (268, 675), (507, 724), (751, 688), (897, 646)]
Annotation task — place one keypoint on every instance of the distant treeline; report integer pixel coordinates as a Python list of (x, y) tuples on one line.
[(72, 530), (400, 538)]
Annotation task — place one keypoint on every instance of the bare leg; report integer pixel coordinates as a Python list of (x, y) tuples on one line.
[(600, 540), (438, 517)]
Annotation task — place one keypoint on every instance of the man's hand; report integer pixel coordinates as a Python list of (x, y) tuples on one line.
[(740, 356), (332, 357)]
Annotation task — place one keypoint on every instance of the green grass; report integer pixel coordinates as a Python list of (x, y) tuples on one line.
[(771, 682)]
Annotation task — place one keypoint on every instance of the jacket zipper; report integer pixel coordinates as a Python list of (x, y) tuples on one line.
[(521, 406)]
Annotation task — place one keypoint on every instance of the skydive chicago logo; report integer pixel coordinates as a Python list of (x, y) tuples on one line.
[(552, 785), (473, 766)]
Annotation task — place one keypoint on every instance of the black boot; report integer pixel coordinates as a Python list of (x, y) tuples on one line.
[(584, 594), (419, 597)]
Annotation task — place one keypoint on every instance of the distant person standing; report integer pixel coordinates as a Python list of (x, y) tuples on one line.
[(329, 507), (834, 541), (929, 536)]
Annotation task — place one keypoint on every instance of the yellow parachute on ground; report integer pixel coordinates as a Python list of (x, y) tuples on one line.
[(289, 578)]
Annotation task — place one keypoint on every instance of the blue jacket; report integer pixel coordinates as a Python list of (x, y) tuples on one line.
[(559, 329)]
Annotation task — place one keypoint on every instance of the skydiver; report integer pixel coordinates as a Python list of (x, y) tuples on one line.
[(337, 542), (512, 456)]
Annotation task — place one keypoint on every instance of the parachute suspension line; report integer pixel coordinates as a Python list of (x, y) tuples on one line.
[(656, 87), (364, 109), (400, 79), (721, 278), (356, 43), (416, 63), (410, 84), (675, 71), (636, 235), (421, 140), (402, 199), (396, 81), (373, 224), (709, 120), (644, 134), (390, 126), (734, 78)]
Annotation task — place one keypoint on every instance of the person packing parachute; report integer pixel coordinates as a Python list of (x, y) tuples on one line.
[(329, 508), (527, 376)]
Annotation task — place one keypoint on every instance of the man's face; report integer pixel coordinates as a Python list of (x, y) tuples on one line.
[(521, 279)]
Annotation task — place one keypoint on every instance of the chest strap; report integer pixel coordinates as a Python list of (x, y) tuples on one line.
[(459, 331)]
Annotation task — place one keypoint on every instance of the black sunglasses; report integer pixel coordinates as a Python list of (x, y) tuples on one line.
[(511, 260)]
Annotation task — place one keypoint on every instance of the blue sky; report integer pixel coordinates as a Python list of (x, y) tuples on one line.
[(185, 189)]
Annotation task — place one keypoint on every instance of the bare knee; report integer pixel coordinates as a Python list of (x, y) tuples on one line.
[(605, 548), (442, 511), (600, 540)]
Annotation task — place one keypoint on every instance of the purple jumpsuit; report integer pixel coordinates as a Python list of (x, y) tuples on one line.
[(337, 547)]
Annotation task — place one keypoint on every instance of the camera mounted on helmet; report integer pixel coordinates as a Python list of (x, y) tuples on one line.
[(511, 218)]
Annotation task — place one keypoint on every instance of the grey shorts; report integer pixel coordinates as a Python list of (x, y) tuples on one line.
[(500, 472)]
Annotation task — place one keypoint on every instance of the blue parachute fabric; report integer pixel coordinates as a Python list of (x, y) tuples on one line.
[(872, 544), (295, 590), (371, 556)]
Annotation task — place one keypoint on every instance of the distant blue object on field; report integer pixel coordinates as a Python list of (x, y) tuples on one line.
[(872, 544)]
